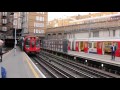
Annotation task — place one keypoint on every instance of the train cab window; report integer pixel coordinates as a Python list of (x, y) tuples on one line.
[(37, 43), (27, 44)]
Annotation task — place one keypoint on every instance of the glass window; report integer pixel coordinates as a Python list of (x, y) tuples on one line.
[(34, 30), (90, 44), (95, 45), (15, 22), (37, 18), (41, 18), (27, 44), (113, 33), (41, 25), (15, 15), (96, 34), (109, 32), (42, 31), (4, 28), (37, 43)]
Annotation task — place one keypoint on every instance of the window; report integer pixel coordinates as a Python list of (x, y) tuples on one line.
[(4, 21), (15, 15), (15, 22), (4, 13), (4, 28), (41, 24), (41, 12), (37, 43), (38, 24), (96, 34), (109, 32), (95, 45), (41, 18), (27, 44), (37, 18), (42, 31), (34, 31), (90, 44), (113, 33)]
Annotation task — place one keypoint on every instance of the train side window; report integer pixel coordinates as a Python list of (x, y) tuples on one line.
[(95, 45), (90, 44), (116, 44)]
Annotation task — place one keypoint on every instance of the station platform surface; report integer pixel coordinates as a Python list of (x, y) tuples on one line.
[(19, 65), (96, 57)]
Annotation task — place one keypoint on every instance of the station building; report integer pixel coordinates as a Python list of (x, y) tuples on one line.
[(94, 35)]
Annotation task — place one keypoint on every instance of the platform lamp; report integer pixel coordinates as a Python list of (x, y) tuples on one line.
[(15, 24)]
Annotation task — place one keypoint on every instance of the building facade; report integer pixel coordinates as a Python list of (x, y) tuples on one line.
[(6, 24), (34, 23), (71, 20), (101, 27), (92, 35)]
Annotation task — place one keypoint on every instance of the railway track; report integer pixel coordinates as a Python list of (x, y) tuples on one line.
[(78, 73), (83, 70), (52, 70)]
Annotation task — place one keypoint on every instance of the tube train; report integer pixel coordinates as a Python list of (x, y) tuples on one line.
[(100, 46), (30, 44), (96, 46)]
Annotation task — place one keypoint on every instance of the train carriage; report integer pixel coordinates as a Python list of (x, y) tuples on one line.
[(97, 46), (30, 44)]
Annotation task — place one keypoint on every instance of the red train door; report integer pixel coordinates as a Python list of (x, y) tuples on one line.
[(77, 46), (68, 45), (85, 47), (99, 47), (117, 53)]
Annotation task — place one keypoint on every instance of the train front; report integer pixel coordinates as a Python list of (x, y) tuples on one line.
[(32, 45)]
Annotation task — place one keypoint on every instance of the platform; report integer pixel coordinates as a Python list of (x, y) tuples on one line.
[(19, 65), (96, 57)]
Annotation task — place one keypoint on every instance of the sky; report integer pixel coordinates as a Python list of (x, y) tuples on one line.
[(52, 15)]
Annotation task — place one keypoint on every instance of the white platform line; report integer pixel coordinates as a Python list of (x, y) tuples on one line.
[(35, 66)]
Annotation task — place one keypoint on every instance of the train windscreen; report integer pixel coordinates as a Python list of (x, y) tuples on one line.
[(37, 43), (27, 44)]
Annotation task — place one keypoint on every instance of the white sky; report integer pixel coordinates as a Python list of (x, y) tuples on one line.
[(52, 15)]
